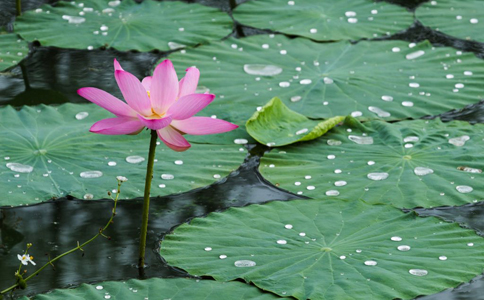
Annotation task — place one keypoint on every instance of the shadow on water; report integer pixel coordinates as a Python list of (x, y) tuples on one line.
[(56, 226)]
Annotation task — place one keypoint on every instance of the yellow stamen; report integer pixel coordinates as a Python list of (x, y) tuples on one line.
[(31, 258), (149, 95)]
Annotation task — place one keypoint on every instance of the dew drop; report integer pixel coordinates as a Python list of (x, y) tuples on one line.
[(459, 141), (378, 176), (135, 159), (396, 238), (404, 248), (328, 80), (361, 140), (112, 163), (174, 45), (474, 21), (414, 85), (305, 81), (379, 112), (90, 197), (162, 186), (208, 249), (302, 131), (178, 162), (464, 189), (82, 115), (244, 263), (331, 156), (340, 183), (342, 257), (288, 226), (241, 141), (422, 171), (352, 20), (470, 244), (370, 163), (313, 30), (411, 138), (387, 98), (468, 73), (350, 14), (16, 167), (356, 114), (216, 176), (167, 176), (99, 287), (281, 242), (332, 193), (333, 142), (310, 187), (418, 272), (371, 263), (469, 170), (414, 55), (91, 174), (443, 257), (262, 70), (407, 103), (223, 256), (295, 98), (284, 84), (395, 49)]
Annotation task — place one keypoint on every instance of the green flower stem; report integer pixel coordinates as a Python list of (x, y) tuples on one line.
[(146, 202), (79, 247), (19, 7)]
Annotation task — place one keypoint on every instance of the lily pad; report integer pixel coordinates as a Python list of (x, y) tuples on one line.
[(276, 125), (392, 80), (124, 25), (328, 249), (325, 20), (160, 288), (49, 152), (12, 50), (406, 164), (462, 19)]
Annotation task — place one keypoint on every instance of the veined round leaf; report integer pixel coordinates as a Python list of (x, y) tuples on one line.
[(123, 25), (385, 79), (328, 249), (462, 19), (160, 288), (406, 164), (325, 20), (12, 50), (276, 125), (49, 152)]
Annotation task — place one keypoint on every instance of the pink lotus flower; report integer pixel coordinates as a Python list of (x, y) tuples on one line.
[(160, 103)]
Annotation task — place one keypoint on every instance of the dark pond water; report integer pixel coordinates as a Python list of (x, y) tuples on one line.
[(52, 76)]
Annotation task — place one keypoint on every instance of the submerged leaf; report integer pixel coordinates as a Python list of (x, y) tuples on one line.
[(276, 125), (328, 249)]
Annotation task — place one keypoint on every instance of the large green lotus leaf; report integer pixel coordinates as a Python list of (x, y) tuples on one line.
[(407, 164), (123, 25), (12, 50), (49, 152), (325, 20), (159, 288), (328, 249), (462, 19), (276, 125), (386, 79)]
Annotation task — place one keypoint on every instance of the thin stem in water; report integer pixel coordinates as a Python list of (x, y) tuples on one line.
[(146, 202), (79, 247)]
